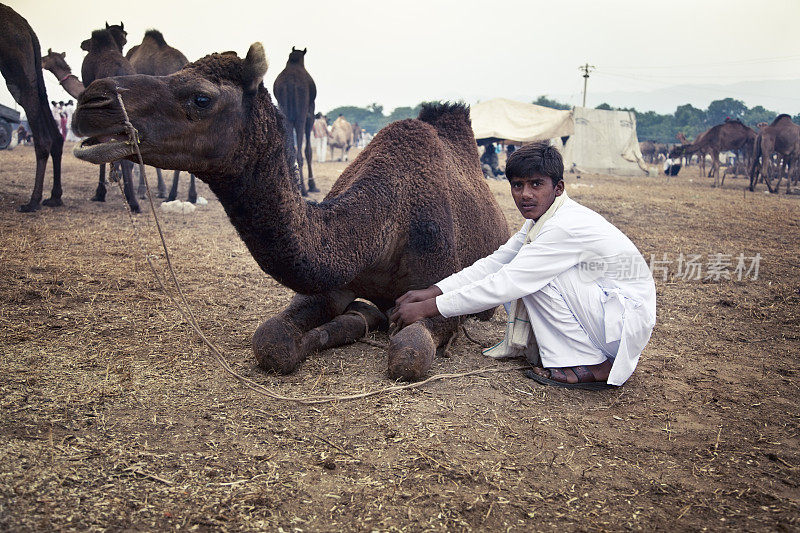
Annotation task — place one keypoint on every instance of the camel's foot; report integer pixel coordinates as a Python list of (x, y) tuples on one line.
[(276, 346), (411, 353), (98, 197), (162, 194), (28, 208), (312, 187), (192, 198), (53, 202), (141, 192), (135, 209)]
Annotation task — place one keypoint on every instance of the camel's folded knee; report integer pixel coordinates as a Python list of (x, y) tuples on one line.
[(276, 346), (411, 353)]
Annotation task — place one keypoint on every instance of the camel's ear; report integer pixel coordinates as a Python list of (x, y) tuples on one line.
[(121, 26), (107, 26), (49, 51), (293, 50), (63, 55), (254, 67), (305, 50)]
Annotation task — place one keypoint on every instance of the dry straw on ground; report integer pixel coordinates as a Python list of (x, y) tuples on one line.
[(113, 415)]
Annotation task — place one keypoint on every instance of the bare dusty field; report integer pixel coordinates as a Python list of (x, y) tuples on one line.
[(115, 416)]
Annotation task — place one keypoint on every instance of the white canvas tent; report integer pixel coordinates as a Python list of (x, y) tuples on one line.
[(599, 141), (506, 120), (604, 142)]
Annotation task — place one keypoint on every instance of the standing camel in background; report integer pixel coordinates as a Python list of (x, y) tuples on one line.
[(688, 149), (295, 92), (20, 64), (341, 137), (781, 137), (56, 63), (155, 57), (730, 135), (103, 60)]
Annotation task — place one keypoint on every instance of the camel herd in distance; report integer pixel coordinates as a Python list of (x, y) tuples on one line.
[(771, 152), (22, 62)]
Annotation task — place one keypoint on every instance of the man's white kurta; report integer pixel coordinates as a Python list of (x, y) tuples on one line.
[(599, 283)]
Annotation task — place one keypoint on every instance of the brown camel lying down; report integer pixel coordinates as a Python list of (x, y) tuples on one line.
[(411, 209)]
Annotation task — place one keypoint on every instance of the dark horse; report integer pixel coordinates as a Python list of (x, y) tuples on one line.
[(295, 91), (21, 66)]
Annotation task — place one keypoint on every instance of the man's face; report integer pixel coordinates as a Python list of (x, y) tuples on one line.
[(535, 194)]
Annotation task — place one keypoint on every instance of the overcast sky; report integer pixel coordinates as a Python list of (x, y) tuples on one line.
[(401, 53)]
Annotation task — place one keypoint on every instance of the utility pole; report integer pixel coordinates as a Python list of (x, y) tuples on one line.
[(585, 68)]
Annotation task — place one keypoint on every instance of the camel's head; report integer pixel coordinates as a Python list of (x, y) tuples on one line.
[(297, 56), (54, 60), (192, 120), (120, 35)]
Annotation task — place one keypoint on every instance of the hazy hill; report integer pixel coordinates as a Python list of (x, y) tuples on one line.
[(781, 96)]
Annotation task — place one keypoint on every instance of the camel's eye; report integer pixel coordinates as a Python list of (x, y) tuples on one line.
[(202, 101)]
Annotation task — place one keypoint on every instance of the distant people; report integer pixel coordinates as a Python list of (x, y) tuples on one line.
[(23, 137), (672, 166), (510, 149), (321, 133), (62, 120), (69, 109), (54, 109), (490, 163), (356, 135)]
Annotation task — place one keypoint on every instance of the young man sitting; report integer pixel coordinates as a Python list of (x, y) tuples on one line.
[(583, 301)]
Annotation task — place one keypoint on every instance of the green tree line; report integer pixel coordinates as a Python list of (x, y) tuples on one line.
[(650, 125), (371, 118), (687, 119)]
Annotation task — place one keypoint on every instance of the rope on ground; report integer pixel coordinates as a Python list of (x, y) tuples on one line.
[(186, 312)]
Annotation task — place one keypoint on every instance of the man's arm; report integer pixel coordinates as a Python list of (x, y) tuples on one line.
[(554, 251), (488, 265)]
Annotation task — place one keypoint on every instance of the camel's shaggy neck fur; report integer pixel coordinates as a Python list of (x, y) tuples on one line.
[(285, 235)]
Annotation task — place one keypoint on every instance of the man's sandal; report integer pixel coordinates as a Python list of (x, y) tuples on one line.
[(586, 380)]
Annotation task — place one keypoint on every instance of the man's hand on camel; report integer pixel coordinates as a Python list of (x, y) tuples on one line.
[(409, 312), (419, 295)]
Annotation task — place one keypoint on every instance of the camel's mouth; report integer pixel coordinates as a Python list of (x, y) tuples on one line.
[(105, 148)]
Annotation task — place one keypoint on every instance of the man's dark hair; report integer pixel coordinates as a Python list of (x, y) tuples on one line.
[(536, 158)]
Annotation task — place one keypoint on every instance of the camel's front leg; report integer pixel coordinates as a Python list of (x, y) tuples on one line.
[(412, 350), (277, 343), (353, 324)]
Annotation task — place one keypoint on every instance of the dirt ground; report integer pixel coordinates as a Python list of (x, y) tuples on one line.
[(114, 415)]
